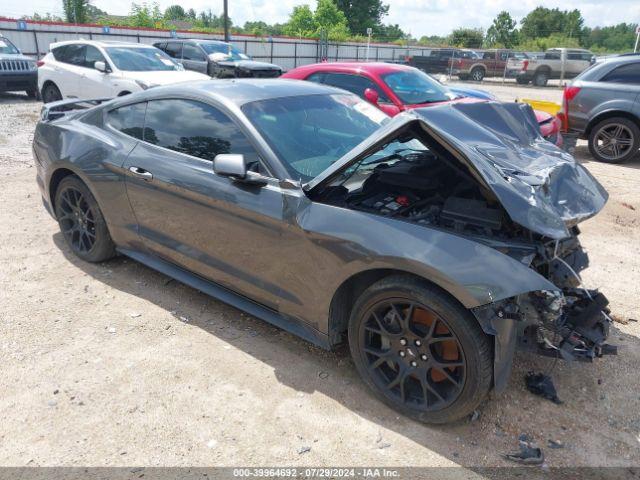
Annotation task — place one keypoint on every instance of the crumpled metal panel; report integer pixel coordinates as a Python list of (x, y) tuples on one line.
[(540, 186)]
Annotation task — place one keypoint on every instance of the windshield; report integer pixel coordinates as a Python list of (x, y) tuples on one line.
[(232, 52), (414, 87), (133, 59), (7, 47), (308, 133)]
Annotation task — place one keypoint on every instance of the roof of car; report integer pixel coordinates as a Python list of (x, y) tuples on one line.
[(371, 67), (100, 43), (243, 91), (601, 68)]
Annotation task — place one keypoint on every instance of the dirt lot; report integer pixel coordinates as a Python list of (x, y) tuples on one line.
[(114, 364)]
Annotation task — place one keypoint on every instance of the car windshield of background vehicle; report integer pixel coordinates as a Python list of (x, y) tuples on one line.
[(309, 133), (232, 52), (7, 47), (415, 87), (132, 59)]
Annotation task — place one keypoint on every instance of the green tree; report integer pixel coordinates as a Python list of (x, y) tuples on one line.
[(363, 14), (543, 22), (330, 18), (191, 14), (389, 33), (502, 32), (467, 37), (75, 11), (174, 12), (301, 22), (145, 15)]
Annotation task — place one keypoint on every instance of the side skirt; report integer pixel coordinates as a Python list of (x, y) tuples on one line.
[(290, 324)]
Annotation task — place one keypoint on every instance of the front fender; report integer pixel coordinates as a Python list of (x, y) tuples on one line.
[(351, 242)]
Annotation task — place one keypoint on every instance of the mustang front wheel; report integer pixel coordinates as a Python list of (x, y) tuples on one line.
[(81, 221), (420, 352)]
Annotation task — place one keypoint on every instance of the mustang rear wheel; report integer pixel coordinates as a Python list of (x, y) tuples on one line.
[(81, 221), (419, 351)]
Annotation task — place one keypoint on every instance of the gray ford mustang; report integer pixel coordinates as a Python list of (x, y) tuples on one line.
[(434, 242)]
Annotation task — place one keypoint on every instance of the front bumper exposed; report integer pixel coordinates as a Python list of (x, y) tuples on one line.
[(17, 82), (573, 325)]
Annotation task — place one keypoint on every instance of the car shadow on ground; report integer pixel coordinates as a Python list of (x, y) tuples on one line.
[(16, 97), (309, 369)]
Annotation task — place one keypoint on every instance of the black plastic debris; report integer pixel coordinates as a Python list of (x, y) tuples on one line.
[(551, 443), (542, 385), (529, 454)]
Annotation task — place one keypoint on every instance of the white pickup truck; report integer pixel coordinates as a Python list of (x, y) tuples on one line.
[(556, 63)]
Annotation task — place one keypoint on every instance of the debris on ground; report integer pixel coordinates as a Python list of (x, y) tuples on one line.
[(303, 450), (529, 454), (628, 205), (551, 443), (542, 385), (622, 320), (474, 416)]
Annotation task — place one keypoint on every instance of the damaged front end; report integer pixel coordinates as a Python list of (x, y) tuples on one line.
[(484, 173)]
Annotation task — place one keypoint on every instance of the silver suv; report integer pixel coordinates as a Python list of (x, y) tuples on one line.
[(603, 105), (17, 72)]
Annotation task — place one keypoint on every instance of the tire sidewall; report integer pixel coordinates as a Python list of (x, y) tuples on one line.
[(635, 130), (103, 247), (55, 91), (540, 79), (473, 74), (459, 320)]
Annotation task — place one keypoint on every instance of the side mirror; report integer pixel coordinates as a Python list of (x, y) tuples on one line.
[(371, 96), (233, 165), (101, 67)]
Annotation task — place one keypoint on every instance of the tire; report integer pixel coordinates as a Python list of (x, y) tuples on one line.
[(450, 332), (477, 74), (522, 81), (51, 93), (81, 221), (463, 76), (614, 140), (541, 78), (32, 93)]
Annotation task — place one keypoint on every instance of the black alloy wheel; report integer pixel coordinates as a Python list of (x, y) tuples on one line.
[(51, 93), (81, 221), (419, 351)]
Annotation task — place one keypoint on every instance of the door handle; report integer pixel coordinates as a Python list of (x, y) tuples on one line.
[(141, 172)]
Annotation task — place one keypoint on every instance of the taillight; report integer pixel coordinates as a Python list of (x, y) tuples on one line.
[(525, 64), (39, 63), (568, 95)]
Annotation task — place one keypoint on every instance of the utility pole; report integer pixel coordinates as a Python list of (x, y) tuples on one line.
[(369, 32), (635, 48), (226, 21)]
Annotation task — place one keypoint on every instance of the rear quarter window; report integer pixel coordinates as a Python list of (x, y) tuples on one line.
[(128, 119), (628, 74)]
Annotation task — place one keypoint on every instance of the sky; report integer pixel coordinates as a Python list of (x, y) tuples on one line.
[(418, 17)]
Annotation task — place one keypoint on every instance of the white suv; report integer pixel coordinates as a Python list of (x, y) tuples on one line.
[(91, 69)]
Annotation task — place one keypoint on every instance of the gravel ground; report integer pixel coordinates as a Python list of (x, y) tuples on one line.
[(115, 364)]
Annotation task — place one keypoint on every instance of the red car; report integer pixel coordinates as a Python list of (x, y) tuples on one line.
[(394, 88)]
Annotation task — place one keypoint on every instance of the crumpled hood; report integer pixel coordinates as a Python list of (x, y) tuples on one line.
[(540, 186), (250, 65)]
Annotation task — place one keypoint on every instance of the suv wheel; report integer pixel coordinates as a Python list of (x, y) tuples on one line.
[(477, 74), (522, 81), (419, 351), (51, 93), (81, 221), (614, 140), (540, 79)]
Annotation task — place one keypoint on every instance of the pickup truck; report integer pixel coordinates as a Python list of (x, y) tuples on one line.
[(437, 61), (489, 63), (540, 70)]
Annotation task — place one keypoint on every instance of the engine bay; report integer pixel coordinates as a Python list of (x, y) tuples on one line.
[(422, 188)]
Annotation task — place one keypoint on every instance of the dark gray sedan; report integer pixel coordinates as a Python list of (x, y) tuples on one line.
[(603, 105), (431, 244)]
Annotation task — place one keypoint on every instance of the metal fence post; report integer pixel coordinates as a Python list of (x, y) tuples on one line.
[(295, 54), (35, 39)]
